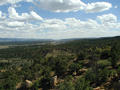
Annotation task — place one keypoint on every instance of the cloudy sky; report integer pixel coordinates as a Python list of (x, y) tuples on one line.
[(59, 19)]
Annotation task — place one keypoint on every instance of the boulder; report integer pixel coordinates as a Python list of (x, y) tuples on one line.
[(2, 70), (54, 81), (18, 85), (74, 73), (28, 83)]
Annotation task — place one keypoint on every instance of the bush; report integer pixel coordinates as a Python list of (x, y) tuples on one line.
[(69, 78), (118, 70), (105, 54), (9, 84), (66, 85), (82, 84), (81, 56), (114, 55), (112, 73), (61, 67), (90, 76), (36, 85), (97, 77), (103, 63), (75, 67)]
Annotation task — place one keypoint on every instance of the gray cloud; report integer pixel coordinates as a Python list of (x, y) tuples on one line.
[(72, 5), (65, 5)]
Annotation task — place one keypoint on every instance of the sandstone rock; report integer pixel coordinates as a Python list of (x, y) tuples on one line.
[(2, 70), (52, 73), (54, 81), (74, 73), (97, 88), (18, 85), (40, 89), (28, 83)]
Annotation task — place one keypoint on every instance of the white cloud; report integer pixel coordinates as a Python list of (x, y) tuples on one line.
[(72, 5), (109, 22), (107, 18), (97, 7), (15, 24), (60, 5), (64, 5), (3, 2), (29, 0), (2, 15), (35, 16), (12, 13), (58, 28), (24, 16), (116, 6), (53, 25)]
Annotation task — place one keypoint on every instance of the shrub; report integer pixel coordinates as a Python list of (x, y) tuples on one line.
[(66, 85), (103, 63), (105, 54), (82, 84), (97, 77), (81, 56), (75, 67)]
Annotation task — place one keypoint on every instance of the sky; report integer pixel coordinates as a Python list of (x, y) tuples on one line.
[(59, 19)]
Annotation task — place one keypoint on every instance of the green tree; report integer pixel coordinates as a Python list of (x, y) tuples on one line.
[(61, 67), (82, 84), (9, 84), (81, 56), (105, 54), (97, 78), (114, 54), (75, 67), (66, 85)]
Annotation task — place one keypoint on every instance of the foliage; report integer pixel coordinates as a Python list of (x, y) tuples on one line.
[(103, 63), (82, 84), (36, 62), (75, 67), (98, 77), (114, 54), (105, 54), (81, 56), (66, 85)]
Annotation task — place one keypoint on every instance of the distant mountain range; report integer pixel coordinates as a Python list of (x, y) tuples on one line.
[(21, 40), (49, 40)]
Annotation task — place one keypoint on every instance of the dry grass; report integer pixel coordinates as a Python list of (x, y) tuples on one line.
[(3, 47)]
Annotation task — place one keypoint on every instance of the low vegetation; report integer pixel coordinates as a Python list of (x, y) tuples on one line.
[(89, 64)]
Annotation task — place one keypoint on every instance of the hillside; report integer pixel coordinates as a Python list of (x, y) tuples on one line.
[(74, 64)]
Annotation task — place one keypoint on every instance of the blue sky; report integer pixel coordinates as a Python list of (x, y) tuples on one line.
[(59, 19)]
